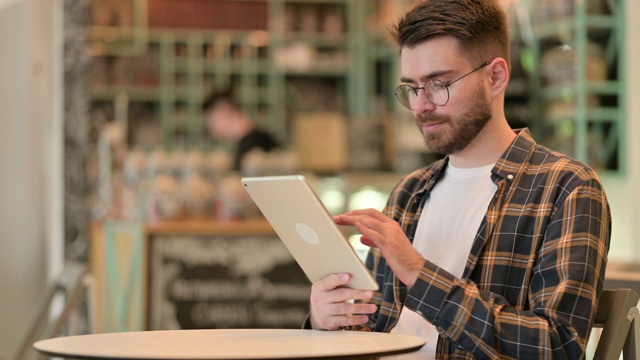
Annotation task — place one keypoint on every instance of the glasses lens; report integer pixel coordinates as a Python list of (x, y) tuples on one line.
[(404, 93), (437, 92)]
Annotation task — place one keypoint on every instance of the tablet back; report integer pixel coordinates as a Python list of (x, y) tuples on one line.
[(307, 229)]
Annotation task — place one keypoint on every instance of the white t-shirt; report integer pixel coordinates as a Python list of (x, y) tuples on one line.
[(449, 221)]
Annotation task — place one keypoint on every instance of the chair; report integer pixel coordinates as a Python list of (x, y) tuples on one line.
[(74, 282), (619, 318)]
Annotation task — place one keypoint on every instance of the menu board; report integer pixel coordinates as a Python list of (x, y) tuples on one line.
[(230, 281)]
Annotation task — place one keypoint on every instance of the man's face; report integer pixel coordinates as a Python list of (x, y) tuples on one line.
[(219, 121), (450, 128)]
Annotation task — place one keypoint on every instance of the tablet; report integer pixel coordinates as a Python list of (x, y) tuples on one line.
[(307, 229)]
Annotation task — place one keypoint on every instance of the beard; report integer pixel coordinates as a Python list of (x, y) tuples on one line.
[(456, 133)]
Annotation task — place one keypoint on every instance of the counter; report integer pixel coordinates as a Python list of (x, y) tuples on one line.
[(195, 274)]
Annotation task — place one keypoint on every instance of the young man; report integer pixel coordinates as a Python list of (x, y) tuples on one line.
[(225, 121), (496, 251)]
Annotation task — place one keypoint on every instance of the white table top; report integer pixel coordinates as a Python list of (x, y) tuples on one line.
[(229, 344)]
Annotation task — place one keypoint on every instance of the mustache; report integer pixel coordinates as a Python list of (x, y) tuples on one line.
[(422, 119)]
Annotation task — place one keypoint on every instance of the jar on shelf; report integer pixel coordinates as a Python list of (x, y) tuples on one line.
[(559, 65), (198, 192), (165, 200), (198, 196), (232, 201)]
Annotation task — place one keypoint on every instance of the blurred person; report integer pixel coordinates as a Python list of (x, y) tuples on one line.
[(227, 122), (499, 249)]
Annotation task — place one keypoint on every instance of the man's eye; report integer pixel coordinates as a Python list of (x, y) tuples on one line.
[(409, 90), (438, 85)]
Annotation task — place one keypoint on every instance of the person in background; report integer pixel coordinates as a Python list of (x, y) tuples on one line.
[(499, 249), (227, 122)]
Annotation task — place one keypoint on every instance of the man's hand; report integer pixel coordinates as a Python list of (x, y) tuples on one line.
[(385, 234), (330, 308)]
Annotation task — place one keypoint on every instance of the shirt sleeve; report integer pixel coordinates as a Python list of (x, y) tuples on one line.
[(566, 280)]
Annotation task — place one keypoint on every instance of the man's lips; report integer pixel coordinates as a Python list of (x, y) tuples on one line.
[(431, 126)]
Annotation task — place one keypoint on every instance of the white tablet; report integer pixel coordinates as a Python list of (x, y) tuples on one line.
[(307, 229)]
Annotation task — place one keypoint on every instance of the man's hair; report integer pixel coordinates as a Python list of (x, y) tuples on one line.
[(480, 27), (224, 96)]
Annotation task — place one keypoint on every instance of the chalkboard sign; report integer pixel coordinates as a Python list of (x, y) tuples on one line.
[(216, 282)]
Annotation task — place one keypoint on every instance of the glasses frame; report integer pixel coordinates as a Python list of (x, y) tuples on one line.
[(437, 82)]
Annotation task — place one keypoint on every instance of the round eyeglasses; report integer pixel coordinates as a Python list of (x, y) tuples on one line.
[(436, 91)]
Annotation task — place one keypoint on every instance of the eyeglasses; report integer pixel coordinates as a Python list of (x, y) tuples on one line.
[(437, 91)]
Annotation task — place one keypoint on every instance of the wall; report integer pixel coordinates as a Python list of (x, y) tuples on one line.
[(624, 192), (30, 143)]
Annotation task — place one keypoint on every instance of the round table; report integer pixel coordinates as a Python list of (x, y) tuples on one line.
[(230, 344)]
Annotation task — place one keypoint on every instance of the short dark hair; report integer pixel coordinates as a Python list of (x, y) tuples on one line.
[(480, 26), (216, 97)]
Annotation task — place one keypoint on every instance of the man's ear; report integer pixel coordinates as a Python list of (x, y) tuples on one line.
[(498, 75)]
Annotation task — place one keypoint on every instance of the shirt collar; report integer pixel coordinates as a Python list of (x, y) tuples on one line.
[(507, 167), (513, 159)]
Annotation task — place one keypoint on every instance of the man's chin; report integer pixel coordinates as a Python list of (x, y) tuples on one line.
[(437, 148), (435, 143)]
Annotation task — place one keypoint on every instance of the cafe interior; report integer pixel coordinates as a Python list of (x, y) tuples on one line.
[(120, 212)]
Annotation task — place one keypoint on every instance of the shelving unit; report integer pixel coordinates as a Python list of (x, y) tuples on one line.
[(185, 67), (577, 82), (269, 70), (331, 56), (311, 58)]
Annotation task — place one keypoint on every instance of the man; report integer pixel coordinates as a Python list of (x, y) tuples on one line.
[(499, 249), (226, 122)]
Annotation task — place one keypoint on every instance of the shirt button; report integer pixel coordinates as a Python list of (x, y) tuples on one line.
[(510, 177)]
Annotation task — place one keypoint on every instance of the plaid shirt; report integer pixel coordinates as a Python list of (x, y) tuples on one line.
[(535, 271)]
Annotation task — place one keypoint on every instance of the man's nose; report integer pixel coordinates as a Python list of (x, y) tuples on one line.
[(422, 103)]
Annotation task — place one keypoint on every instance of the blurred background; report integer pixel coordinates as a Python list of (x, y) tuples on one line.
[(121, 209)]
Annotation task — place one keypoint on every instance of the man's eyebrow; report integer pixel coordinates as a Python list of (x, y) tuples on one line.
[(427, 77)]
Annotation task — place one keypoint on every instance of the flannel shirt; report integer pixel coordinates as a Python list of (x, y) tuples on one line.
[(535, 271)]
